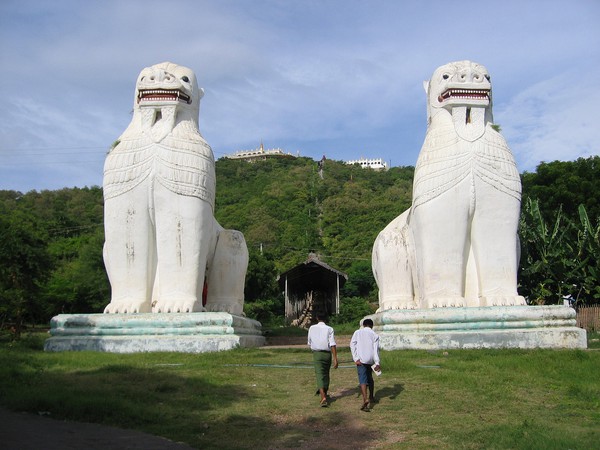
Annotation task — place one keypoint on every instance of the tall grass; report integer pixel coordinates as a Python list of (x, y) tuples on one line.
[(264, 398)]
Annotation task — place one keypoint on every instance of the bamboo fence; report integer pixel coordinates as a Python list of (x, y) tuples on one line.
[(588, 317)]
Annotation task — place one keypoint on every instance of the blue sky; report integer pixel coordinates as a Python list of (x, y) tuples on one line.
[(340, 78)]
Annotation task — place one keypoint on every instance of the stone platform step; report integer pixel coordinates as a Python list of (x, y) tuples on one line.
[(134, 333), (484, 327)]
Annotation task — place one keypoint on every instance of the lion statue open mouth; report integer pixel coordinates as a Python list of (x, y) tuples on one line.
[(457, 245), (163, 247)]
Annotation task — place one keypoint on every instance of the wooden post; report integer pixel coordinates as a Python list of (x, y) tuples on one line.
[(288, 306), (337, 294)]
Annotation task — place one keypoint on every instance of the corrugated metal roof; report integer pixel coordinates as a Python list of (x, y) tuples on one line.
[(313, 271)]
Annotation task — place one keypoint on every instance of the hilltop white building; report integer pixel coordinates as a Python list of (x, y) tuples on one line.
[(374, 163), (259, 154)]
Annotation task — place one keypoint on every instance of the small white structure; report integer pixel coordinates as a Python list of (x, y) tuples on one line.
[(374, 163)]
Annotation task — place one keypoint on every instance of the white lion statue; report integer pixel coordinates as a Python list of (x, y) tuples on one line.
[(457, 245), (163, 246)]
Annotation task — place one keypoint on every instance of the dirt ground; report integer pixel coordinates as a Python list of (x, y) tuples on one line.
[(20, 431)]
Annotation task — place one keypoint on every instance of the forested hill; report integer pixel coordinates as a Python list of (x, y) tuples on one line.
[(51, 241), (289, 207)]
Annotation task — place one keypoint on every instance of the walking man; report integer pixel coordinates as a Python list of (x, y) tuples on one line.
[(321, 341), (365, 353)]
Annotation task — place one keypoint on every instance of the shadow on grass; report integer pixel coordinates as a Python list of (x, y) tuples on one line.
[(390, 392), (114, 394), (184, 407)]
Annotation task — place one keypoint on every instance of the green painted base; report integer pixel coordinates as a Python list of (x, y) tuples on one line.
[(133, 333), (486, 327)]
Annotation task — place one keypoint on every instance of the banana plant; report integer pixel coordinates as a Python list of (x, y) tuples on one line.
[(548, 257), (588, 253)]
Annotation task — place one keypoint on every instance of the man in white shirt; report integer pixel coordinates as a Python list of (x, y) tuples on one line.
[(365, 353), (321, 341)]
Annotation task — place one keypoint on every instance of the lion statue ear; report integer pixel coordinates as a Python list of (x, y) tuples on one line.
[(426, 87)]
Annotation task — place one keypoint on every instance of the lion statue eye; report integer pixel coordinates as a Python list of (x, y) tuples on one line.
[(445, 76), (185, 78)]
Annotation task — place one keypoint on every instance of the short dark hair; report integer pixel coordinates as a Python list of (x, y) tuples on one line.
[(368, 323)]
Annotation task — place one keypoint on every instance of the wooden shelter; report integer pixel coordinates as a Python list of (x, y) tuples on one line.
[(310, 288)]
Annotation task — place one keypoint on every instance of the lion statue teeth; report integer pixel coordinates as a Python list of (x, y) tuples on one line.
[(163, 246), (457, 245)]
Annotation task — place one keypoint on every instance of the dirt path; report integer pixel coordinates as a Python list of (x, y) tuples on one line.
[(22, 431)]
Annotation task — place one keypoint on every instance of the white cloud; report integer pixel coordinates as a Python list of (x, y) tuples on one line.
[(552, 120), (336, 77)]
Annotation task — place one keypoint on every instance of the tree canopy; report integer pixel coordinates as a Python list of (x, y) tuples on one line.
[(51, 241), (565, 185)]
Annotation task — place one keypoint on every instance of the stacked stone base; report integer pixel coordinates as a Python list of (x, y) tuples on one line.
[(523, 327), (134, 333)]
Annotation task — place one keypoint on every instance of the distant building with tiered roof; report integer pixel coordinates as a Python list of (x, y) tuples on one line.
[(260, 154)]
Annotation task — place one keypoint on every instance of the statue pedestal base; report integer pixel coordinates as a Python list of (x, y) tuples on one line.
[(200, 332), (486, 327)]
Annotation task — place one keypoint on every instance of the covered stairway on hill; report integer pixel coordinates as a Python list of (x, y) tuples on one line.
[(310, 288)]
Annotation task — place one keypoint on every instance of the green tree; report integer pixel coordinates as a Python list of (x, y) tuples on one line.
[(361, 282), (558, 261), (588, 254), (545, 255), (78, 284), (566, 185), (352, 310), (261, 277), (51, 247), (23, 270)]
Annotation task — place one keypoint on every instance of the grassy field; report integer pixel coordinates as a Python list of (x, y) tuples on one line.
[(264, 398)]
